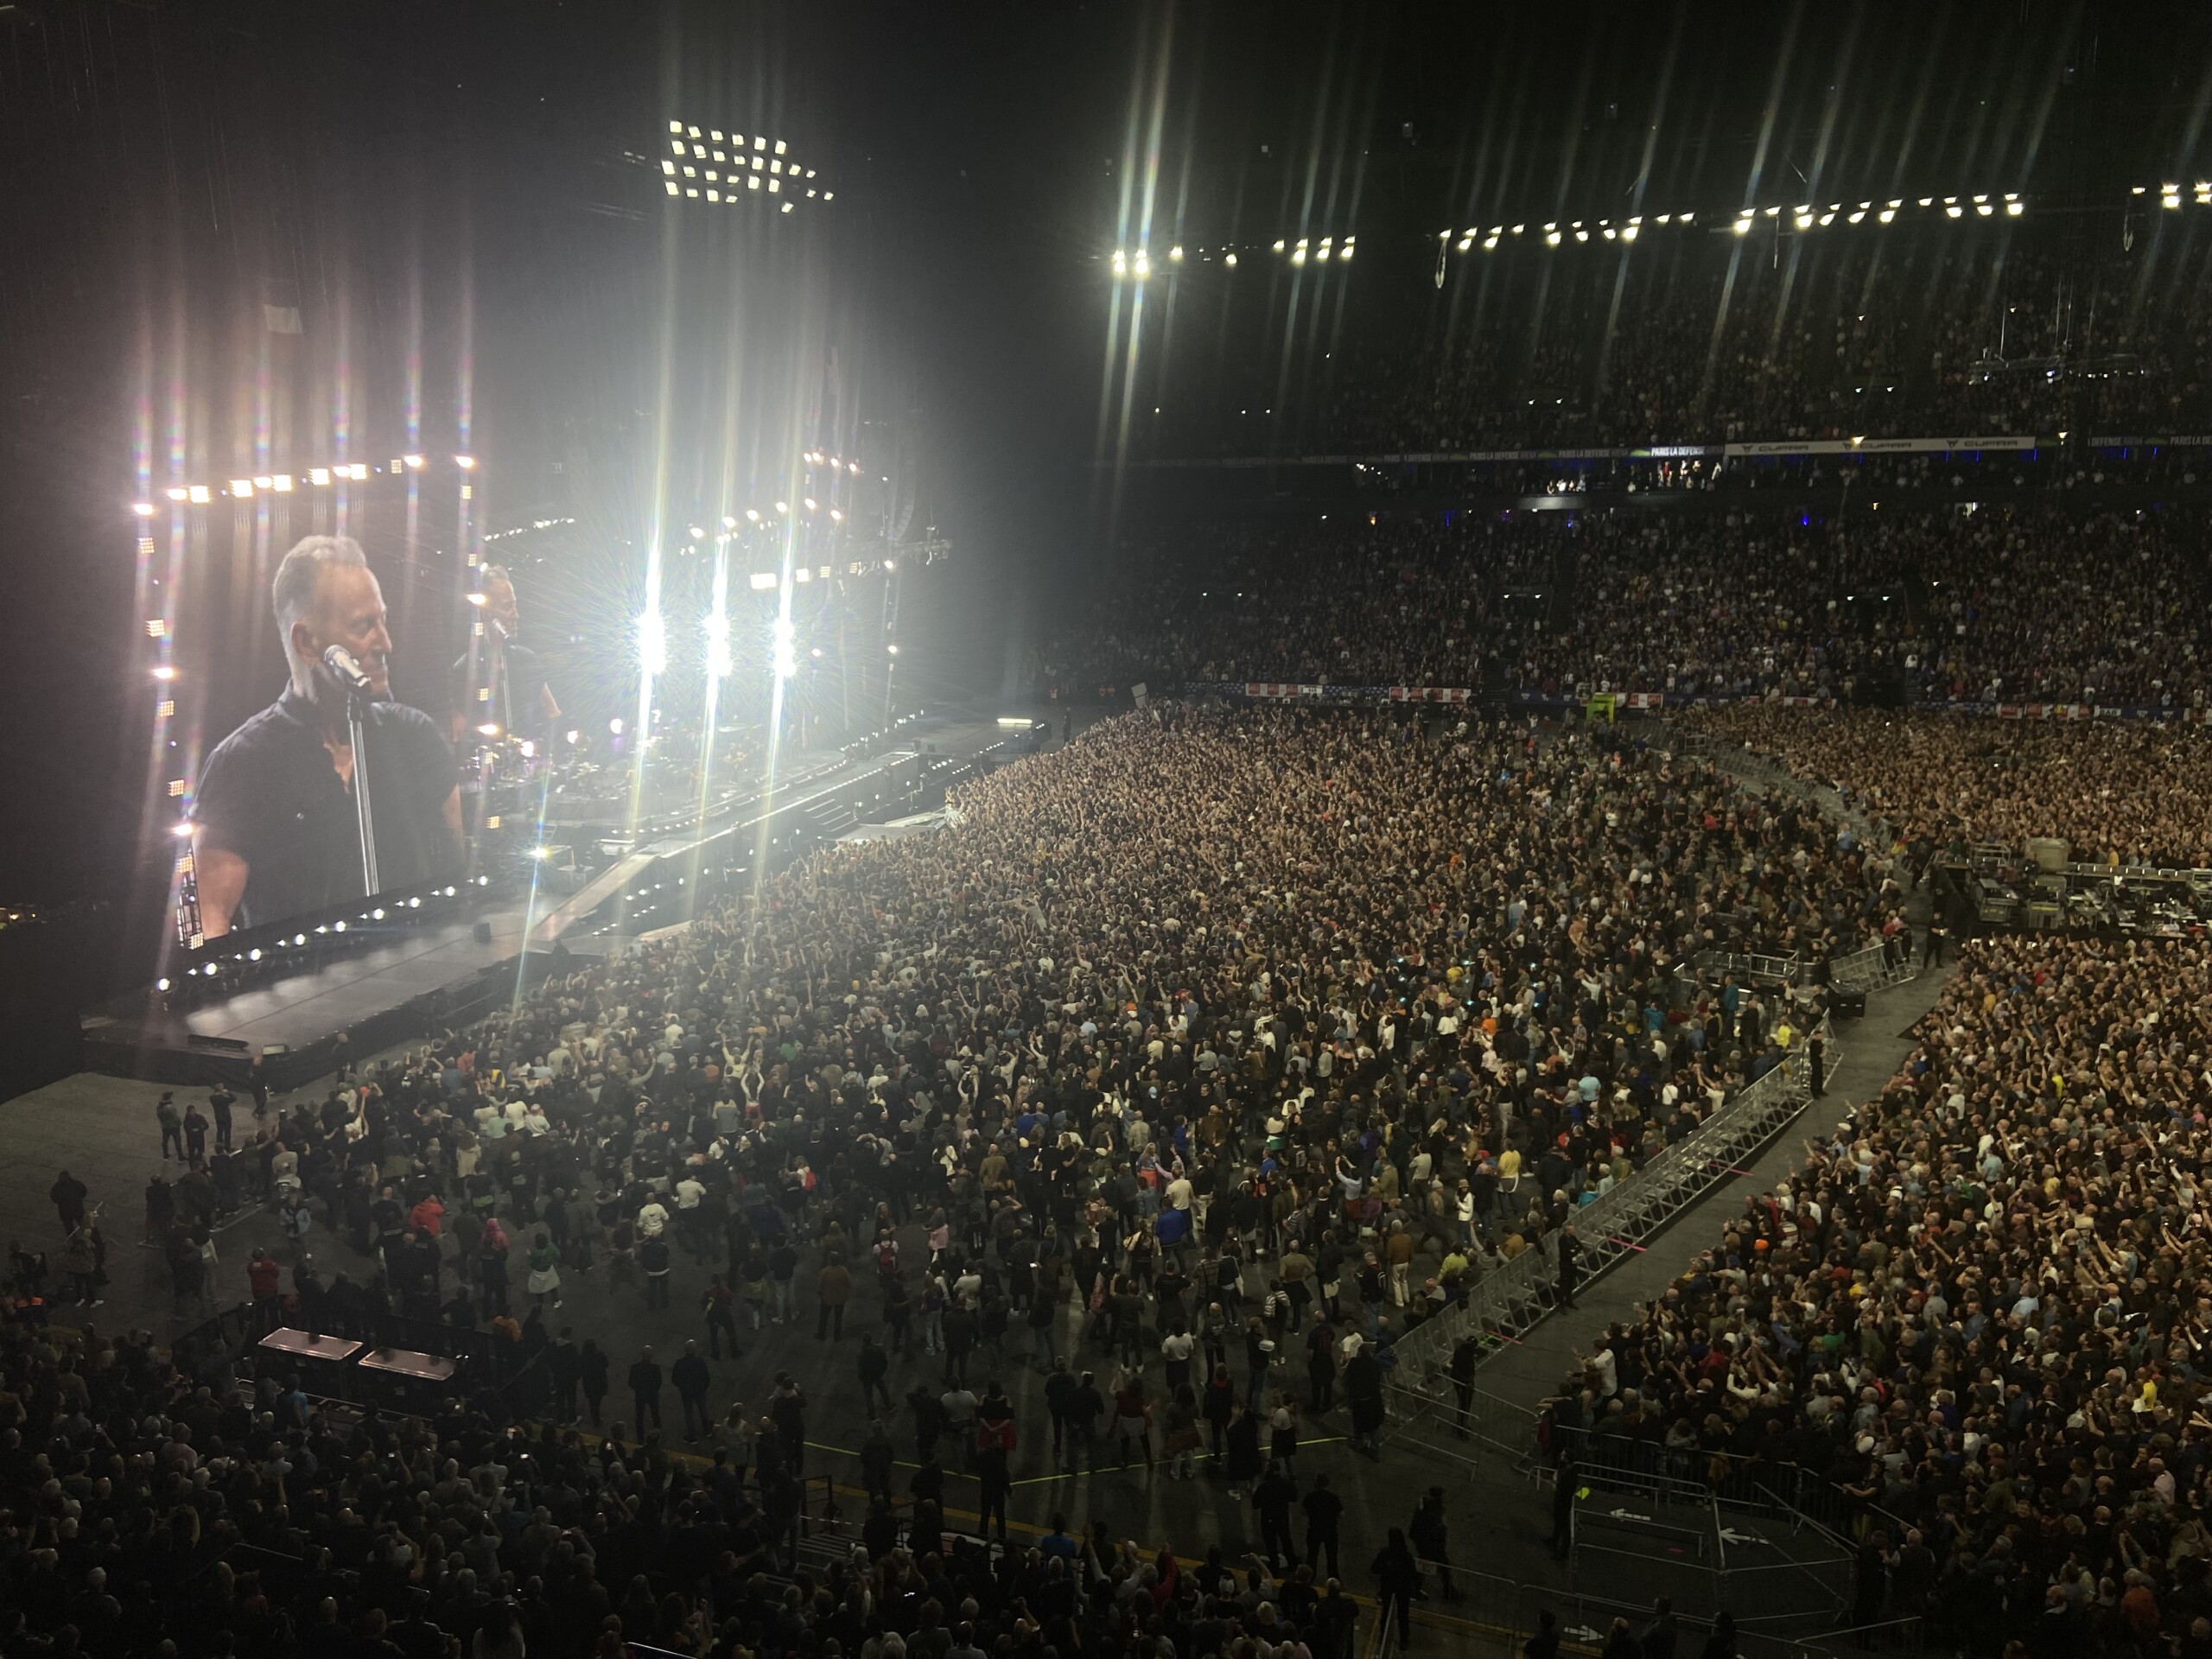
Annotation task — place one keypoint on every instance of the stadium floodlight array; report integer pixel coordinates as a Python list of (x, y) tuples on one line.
[(2170, 195), (1136, 265), (1802, 216), (714, 168)]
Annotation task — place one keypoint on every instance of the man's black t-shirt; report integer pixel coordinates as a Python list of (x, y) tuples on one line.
[(270, 794)]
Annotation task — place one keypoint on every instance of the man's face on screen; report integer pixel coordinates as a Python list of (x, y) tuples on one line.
[(349, 611)]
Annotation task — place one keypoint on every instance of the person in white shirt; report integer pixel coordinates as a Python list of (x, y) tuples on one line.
[(652, 1219)]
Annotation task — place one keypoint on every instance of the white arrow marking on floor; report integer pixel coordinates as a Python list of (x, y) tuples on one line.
[(1728, 1535), (1627, 1514), (1581, 1633)]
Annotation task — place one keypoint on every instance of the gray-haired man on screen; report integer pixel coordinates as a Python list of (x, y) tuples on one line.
[(275, 828)]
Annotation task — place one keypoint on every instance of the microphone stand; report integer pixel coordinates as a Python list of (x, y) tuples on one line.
[(356, 701)]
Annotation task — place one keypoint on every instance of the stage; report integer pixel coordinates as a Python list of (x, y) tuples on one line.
[(417, 980)]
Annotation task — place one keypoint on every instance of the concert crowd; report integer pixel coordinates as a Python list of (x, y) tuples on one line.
[(1192, 1064), (2039, 603), (2117, 792), (1977, 1310), (1693, 335)]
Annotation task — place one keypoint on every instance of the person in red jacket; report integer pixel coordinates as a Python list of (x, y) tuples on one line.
[(264, 1276), (429, 1216)]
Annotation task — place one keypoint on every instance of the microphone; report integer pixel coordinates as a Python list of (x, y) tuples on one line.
[(349, 672)]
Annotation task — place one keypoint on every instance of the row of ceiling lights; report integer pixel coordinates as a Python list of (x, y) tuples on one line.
[(242, 489)]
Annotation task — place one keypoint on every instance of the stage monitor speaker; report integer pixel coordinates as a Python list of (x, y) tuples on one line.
[(200, 1045), (483, 932), (1847, 1005)]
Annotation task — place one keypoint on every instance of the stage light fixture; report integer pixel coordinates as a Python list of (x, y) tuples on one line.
[(652, 643), (752, 515), (181, 828), (576, 737), (1887, 215), (317, 474), (784, 640), (160, 984), (729, 523), (476, 599), (1228, 259), (783, 507), (414, 462), (614, 726), (165, 671), (242, 487), (2014, 209), (894, 650), (177, 493), (761, 581), (810, 504), (489, 728), (282, 483), (143, 508)]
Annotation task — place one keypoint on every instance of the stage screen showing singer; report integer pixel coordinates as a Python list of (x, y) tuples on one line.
[(275, 829)]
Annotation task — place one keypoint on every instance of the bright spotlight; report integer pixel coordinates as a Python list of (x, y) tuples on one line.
[(614, 726), (182, 829), (1175, 252), (317, 474), (476, 599), (752, 515), (894, 650), (652, 643), (576, 737), (489, 728), (1229, 259), (160, 984), (414, 463), (697, 534), (784, 641), (466, 463), (143, 508), (165, 671), (242, 487), (762, 581), (891, 564), (783, 507), (729, 523), (200, 494)]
